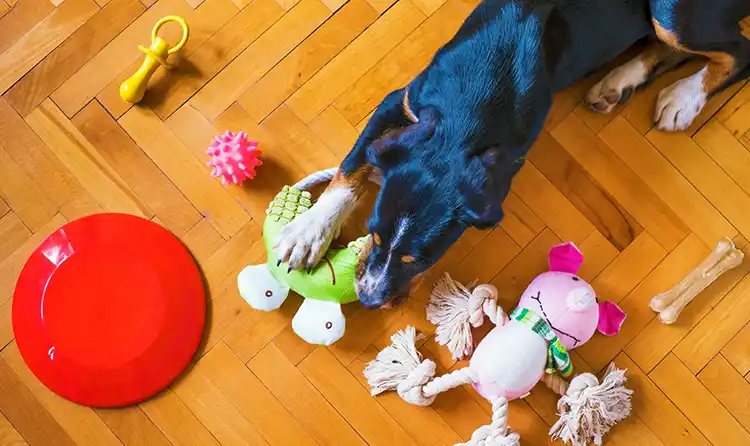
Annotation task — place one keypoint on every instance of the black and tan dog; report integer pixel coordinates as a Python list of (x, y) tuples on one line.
[(449, 143)]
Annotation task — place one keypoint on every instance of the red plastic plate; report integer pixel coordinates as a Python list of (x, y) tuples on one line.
[(109, 310)]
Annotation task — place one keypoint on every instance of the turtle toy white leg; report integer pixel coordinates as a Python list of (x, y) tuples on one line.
[(260, 288), (319, 322)]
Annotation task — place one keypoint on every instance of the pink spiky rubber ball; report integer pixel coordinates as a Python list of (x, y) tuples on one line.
[(233, 157)]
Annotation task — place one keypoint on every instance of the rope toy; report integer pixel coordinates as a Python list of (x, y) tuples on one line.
[(325, 288), (557, 312)]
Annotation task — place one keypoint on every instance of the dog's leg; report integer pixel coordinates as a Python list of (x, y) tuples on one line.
[(706, 28), (680, 103), (303, 242), (618, 86)]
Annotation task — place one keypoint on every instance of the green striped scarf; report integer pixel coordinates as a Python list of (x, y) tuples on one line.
[(558, 358)]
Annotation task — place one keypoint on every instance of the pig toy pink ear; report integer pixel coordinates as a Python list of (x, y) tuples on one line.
[(611, 318), (565, 258)]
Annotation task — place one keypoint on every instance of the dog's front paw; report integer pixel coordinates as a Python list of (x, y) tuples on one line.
[(680, 103), (303, 242), (617, 87)]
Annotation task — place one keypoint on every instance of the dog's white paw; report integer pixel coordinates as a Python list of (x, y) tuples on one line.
[(680, 103), (617, 86), (304, 241)]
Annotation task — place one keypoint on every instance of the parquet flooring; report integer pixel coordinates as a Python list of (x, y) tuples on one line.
[(302, 77)]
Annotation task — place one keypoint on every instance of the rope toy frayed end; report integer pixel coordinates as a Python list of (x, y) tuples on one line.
[(589, 409), (453, 309), (400, 367)]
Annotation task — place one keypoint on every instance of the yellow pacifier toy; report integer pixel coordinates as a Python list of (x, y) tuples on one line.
[(133, 89)]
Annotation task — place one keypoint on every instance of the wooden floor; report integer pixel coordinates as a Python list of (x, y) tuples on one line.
[(302, 77)]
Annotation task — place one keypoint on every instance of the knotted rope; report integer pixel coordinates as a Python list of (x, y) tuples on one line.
[(497, 433), (453, 309)]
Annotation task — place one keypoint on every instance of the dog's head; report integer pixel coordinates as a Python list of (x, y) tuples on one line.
[(433, 188)]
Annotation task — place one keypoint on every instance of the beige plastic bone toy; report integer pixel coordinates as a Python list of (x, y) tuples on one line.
[(670, 304)]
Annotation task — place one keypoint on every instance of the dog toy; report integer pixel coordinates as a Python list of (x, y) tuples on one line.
[(557, 312), (670, 303), (233, 157), (133, 89), (325, 288)]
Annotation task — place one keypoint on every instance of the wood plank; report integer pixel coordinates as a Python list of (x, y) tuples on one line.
[(550, 205), (622, 183), (405, 61), (309, 152), (737, 351), (21, 18), (307, 59), (9, 436), (176, 421), (250, 23), (712, 182), (361, 55), (253, 400), (726, 151), (12, 233), (81, 423), (598, 253), (117, 55), (656, 171), (41, 166), (116, 149), (715, 331), (215, 411), (351, 400), (656, 410), (729, 387), (185, 171), (584, 192), (203, 240), (735, 115), (520, 222), (84, 162), (498, 246), (26, 413), (69, 57), (697, 403), (132, 426), (600, 350), (42, 39), (23, 195), (335, 131), (255, 61), (302, 399), (629, 268), (530, 262)]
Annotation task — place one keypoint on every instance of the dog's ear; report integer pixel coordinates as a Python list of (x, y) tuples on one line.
[(486, 184), (393, 148)]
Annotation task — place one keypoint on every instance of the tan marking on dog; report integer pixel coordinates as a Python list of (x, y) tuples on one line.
[(354, 181), (376, 238), (720, 66), (407, 109), (408, 259)]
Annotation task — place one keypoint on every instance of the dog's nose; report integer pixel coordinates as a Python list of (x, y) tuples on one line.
[(371, 301)]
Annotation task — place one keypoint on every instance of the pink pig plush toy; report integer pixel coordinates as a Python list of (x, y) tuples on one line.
[(558, 312)]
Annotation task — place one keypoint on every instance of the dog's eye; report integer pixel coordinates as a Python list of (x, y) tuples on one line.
[(408, 259), (376, 238)]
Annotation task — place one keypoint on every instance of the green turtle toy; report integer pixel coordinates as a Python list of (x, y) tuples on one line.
[(329, 285)]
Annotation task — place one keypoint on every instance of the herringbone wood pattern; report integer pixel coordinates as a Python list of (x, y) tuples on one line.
[(302, 77)]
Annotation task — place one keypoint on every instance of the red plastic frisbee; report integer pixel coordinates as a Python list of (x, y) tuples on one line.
[(109, 310)]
